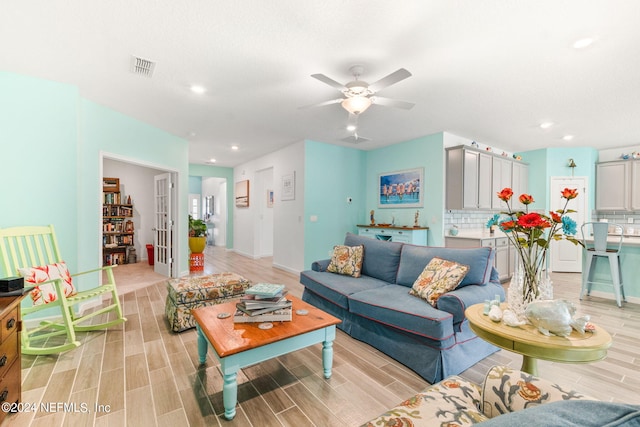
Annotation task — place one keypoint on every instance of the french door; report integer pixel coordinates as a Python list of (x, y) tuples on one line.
[(163, 225)]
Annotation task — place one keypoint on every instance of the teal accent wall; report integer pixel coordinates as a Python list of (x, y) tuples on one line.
[(195, 184), (219, 172), (548, 162), (108, 131), (52, 141), (332, 174), (38, 134), (426, 152)]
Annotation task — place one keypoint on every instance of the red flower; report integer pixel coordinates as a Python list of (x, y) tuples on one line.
[(555, 217), (526, 199), (570, 193), (505, 194), (532, 220), (508, 225)]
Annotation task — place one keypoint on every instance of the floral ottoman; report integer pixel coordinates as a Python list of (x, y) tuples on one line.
[(186, 293)]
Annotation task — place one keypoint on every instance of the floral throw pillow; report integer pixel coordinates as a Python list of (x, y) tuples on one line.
[(44, 294), (347, 260), (438, 277)]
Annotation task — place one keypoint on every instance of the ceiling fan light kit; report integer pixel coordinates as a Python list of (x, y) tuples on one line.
[(356, 104)]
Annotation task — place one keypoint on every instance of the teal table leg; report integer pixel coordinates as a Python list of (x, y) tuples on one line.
[(230, 395), (327, 358), (203, 343)]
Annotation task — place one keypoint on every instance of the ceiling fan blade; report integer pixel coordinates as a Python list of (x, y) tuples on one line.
[(392, 78), (322, 104), (329, 81), (388, 102)]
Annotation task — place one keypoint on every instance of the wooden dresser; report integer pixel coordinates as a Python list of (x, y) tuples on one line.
[(10, 358)]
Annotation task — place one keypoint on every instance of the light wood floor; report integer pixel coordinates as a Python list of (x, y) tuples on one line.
[(144, 375)]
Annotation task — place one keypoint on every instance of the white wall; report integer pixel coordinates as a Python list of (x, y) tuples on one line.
[(136, 181), (288, 224), (264, 219)]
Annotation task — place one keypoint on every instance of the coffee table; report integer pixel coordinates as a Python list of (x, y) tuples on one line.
[(237, 345), (532, 345)]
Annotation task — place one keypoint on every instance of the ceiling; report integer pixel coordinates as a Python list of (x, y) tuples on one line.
[(490, 70)]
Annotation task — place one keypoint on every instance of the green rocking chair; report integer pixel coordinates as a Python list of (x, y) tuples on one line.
[(33, 252)]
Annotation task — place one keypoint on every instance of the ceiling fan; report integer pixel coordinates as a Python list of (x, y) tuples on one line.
[(359, 95)]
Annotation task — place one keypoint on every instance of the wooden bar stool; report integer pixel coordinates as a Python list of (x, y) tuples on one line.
[(599, 232)]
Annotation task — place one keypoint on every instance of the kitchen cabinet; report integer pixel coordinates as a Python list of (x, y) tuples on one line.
[(469, 175), (504, 256), (501, 178), (474, 177), (412, 235), (615, 186)]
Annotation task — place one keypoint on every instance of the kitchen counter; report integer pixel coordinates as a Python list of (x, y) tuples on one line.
[(465, 233)]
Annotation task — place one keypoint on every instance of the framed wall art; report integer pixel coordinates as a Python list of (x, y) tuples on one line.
[(288, 191), (401, 189), (242, 194)]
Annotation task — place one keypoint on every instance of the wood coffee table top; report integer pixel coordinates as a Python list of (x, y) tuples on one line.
[(229, 338)]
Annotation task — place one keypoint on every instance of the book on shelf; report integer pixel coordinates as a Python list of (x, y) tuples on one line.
[(280, 315), (265, 290), (256, 311)]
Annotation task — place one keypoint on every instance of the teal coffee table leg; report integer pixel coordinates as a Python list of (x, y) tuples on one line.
[(230, 395), (327, 358), (203, 343)]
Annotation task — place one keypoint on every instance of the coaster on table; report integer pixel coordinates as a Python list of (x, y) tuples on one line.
[(223, 315), (302, 312), (265, 325)]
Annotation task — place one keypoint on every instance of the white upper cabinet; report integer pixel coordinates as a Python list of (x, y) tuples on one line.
[(613, 182), (520, 183), (502, 168)]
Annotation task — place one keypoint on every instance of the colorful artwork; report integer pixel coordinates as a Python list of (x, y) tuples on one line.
[(401, 189)]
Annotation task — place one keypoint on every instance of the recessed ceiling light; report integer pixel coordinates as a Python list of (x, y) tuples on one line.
[(198, 89), (567, 137), (351, 128), (546, 125), (234, 147), (582, 43), (212, 160)]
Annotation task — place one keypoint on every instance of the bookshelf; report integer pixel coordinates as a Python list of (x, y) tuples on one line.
[(117, 223)]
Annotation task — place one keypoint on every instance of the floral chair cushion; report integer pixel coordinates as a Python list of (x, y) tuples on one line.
[(453, 401), (46, 293), (509, 390), (347, 260), (438, 277)]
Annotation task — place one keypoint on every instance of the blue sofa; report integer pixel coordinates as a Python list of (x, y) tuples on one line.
[(377, 308)]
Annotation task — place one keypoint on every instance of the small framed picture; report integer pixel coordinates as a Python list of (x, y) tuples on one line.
[(288, 187)]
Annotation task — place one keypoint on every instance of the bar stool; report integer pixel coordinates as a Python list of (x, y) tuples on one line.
[(597, 248)]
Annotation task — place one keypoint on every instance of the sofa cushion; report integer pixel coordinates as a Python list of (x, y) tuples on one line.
[(453, 401), (438, 277), (415, 258), (508, 390), (381, 258), (393, 306), (336, 288), (346, 260), (571, 413)]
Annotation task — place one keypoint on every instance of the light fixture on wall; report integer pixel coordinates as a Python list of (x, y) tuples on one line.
[(572, 165), (356, 104)]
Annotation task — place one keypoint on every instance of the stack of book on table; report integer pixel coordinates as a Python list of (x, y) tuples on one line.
[(263, 302)]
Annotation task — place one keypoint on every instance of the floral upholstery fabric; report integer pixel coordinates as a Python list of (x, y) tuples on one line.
[(46, 293), (189, 292), (438, 277), (457, 402), (453, 401), (347, 260), (508, 390)]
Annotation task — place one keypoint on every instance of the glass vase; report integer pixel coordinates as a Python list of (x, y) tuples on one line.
[(530, 282)]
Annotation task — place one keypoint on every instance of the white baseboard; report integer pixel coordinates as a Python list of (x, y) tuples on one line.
[(285, 268)]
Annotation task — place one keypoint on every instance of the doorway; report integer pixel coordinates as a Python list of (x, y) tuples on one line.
[(137, 181), (565, 256)]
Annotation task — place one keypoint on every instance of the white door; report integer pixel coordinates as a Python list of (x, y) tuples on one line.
[(565, 256), (163, 225)]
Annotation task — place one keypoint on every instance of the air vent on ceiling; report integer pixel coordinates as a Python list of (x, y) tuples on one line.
[(142, 67), (355, 139)]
